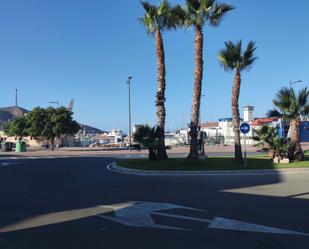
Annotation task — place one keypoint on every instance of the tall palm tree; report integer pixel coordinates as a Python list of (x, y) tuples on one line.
[(233, 58), (156, 20), (291, 108), (198, 14)]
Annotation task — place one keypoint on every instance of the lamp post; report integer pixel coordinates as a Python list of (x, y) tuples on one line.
[(55, 102), (129, 85), (294, 82)]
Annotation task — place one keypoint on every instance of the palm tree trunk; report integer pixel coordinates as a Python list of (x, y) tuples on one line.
[(160, 98), (236, 117), (198, 77), (52, 143), (295, 152)]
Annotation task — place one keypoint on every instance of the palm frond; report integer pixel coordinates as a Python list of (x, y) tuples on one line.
[(218, 13), (274, 114), (248, 57), (226, 61), (177, 17), (285, 100), (200, 12), (146, 6), (232, 56), (303, 97), (161, 17), (305, 111)]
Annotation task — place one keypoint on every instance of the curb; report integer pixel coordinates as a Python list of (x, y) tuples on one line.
[(122, 170)]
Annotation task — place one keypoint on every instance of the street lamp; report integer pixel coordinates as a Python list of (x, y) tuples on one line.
[(294, 82), (55, 102), (129, 85)]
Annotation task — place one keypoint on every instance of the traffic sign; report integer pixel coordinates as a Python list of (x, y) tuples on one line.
[(244, 128)]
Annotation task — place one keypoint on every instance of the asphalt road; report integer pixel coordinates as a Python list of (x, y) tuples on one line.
[(76, 203)]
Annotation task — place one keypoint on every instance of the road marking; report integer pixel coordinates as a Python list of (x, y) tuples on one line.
[(139, 215), (5, 164), (183, 217), (229, 224)]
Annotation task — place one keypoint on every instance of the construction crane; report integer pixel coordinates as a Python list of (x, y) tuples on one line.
[(70, 108)]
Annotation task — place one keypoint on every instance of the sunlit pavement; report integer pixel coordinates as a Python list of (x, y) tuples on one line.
[(179, 152), (77, 203)]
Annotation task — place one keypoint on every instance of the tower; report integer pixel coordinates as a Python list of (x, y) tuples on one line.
[(248, 113)]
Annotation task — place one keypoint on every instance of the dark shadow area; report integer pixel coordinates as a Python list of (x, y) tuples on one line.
[(39, 187)]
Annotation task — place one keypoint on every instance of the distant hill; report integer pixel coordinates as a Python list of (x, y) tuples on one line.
[(91, 130), (10, 113)]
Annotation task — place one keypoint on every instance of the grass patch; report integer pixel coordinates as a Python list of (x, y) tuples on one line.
[(211, 163)]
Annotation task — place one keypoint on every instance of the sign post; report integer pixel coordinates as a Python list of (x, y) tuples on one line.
[(245, 129)]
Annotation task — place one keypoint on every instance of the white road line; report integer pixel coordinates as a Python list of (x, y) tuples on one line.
[(229, 224), (5, 164), (182, 217)]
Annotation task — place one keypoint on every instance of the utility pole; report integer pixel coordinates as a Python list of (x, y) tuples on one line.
[(16, 97), (130, 129)]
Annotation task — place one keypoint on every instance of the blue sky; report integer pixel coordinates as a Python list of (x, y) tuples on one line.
[(85, 49)]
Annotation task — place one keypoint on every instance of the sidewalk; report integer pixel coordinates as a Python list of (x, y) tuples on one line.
[(80, 151)]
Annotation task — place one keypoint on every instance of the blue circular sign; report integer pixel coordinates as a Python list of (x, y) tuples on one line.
[(244, 128)]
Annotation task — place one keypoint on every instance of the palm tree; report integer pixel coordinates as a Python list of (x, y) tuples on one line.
[(145, 135), (291, 108), (156, 20), (233, 58), (269, 140), (198, 14)]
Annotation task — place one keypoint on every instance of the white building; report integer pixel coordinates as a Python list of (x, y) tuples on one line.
[(212, 129), (115, 136)]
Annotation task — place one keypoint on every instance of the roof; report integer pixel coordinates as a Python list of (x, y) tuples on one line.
[(249, 107), (261, 121), (209, 124), (227, 119)]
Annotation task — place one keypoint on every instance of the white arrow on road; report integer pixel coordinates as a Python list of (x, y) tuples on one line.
[(139, 215)]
